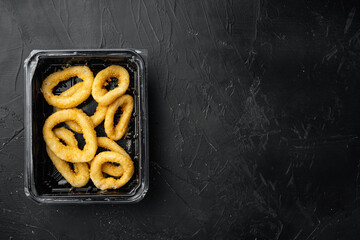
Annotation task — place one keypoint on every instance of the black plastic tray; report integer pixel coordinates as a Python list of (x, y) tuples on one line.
[(43, 183)]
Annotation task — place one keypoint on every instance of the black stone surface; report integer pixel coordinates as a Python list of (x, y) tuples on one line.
[(254, 117)]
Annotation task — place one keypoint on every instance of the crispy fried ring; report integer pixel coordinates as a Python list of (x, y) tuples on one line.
[(126, 103), (68, 100), (78, 177), (110, 168), (100, 94), (71, 153), (96, 174), (96, 118)]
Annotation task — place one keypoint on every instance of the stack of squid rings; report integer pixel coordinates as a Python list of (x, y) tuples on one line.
[(61, 144)]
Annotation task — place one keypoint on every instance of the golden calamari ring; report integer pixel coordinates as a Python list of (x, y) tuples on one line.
[(96, 174), (78, 177), (108, 167), (71, 153), (100, 94), (67, 100), (126, 103)]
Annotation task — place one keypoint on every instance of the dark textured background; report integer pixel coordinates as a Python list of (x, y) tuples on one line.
[(254, 117)]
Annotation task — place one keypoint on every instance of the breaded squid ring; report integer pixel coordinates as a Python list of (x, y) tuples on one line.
[(100, 94), (71, 153), (96, 118), (68, 100), (110, 168), (126, 103), (78, 177), (96, 174)]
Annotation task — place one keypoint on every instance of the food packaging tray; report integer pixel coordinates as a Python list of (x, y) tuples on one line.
[(43, 183)]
